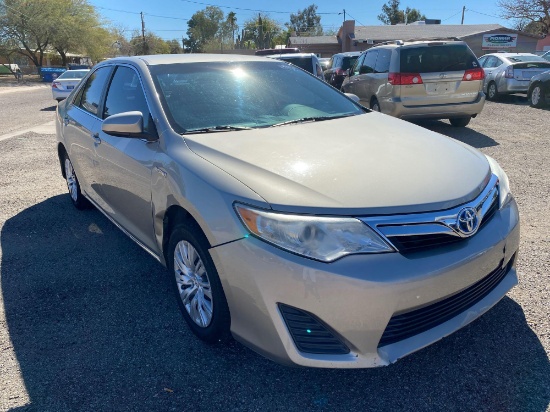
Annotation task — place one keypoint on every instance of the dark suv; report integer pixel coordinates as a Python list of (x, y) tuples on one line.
[(338, 67)]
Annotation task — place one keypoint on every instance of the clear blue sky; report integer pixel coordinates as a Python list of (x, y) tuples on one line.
[(168, 18)]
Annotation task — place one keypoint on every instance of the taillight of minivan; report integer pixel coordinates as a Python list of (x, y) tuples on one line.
[(474, 74), (401, 79)]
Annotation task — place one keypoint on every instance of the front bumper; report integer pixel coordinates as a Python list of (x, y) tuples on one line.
[(395, 107), (357, 296)]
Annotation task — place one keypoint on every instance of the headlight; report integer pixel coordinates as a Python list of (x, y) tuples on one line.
[(504, 195), (321, 238)]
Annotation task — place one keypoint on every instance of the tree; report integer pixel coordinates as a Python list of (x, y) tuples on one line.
[(30, 25), (261, 32), (231, 22), (152, 45), (392, 14), (204, 26), (532, 11), (80, 28), (175, 46), (306, 22)]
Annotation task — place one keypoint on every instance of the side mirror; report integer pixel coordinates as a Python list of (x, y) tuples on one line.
[(127, 124), (353, 97)]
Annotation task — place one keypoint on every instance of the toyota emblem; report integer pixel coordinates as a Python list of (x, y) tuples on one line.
[(467, 221)]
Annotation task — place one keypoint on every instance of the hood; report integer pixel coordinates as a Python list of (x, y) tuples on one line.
[(365, 164)]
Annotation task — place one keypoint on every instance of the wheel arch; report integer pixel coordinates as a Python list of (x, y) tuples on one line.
[(177, 215)]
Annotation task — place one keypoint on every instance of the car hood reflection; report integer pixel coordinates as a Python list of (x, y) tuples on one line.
[(369, 163)]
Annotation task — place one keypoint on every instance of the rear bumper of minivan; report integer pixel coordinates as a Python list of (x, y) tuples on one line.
[(395, 107)]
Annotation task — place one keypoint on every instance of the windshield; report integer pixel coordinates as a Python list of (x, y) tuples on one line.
[(71, 74), (348, 62), (244, 95)]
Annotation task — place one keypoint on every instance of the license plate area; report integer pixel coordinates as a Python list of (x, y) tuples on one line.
[(70, 87), (440, 87)]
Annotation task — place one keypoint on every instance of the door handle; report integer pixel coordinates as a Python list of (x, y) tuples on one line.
[(97, 139)]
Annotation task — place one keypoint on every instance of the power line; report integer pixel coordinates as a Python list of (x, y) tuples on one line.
[(355, 19), (456, 14), (484, 14), (239, 8), (147, 14)]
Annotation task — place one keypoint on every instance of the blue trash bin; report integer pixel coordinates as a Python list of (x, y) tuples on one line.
[(49, 74)]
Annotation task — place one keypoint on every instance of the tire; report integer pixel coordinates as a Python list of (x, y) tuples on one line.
[(460, 121), (73, 186), (492, 91), (536, 96), (197, 285), (374, 105)]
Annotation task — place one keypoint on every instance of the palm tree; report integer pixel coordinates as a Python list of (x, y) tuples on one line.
[(232, 21)]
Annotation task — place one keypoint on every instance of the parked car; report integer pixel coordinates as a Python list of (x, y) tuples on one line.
[(324, 61), (338, 68), (315, 231), (538, 93), (507, 73), (307, 61), (419, 80), (63, 85)]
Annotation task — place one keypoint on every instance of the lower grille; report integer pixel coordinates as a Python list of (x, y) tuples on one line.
[(408, 324), (310, 334)]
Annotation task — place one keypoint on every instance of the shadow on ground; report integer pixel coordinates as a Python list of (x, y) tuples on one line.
[(49, 109), (94, 326), (463, 134)]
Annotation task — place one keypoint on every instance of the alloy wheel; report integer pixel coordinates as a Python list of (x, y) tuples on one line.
[(535, 96), (70, 176), (193, 283)]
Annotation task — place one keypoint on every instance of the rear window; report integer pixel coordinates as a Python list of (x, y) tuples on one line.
[(440, 58), (348, 62), (517, 59), (302, 62)]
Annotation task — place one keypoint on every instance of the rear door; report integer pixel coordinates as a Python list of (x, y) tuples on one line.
[(80, 121), (438, 73), (364, 81)]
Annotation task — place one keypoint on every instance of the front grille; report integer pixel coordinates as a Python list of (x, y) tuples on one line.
[(414, 243), (408, 324), (310, 334)]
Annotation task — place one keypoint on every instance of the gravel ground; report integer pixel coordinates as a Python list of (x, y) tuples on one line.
[(88, 322)]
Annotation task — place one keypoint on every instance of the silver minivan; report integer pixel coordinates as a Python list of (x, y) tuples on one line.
[(421, 79)]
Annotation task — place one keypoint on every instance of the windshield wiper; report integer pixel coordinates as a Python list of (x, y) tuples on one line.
[(225, 128), (310, 119)]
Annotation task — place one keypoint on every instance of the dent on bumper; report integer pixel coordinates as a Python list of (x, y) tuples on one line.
[(357, 295)]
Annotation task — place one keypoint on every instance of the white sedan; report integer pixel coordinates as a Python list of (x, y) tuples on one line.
[(66, 82)]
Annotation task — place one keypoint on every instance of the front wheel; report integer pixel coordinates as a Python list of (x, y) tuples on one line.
[(197, 285), (536, 97), (78, 199), (460, 121)]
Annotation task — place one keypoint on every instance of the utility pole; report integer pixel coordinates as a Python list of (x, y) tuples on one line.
[(463, 10), (143, 34), (182, 44), (344, 14)]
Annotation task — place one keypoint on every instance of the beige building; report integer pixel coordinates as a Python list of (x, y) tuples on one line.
[(359, 38)]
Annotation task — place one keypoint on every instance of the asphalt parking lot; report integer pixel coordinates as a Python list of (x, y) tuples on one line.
[(88, 320)]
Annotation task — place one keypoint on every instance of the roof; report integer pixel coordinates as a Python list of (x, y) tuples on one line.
[(425, 31), (303, 40), (188, 58)]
